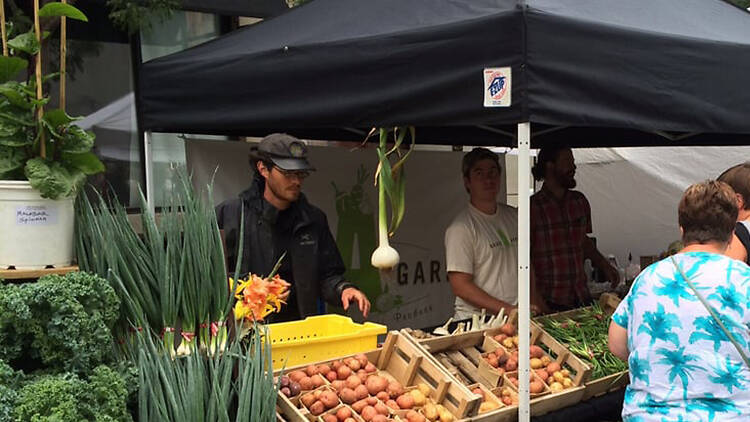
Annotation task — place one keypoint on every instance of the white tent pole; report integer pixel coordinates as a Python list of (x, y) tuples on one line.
[(524, 250), (148, 156)]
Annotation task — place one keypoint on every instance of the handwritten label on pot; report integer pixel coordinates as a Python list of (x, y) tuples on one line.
[(36, 215)]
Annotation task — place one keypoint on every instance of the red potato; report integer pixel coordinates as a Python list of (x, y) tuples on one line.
[(343, 372), (317, 381), (354, 364), (368, 413), (535, 351), (370, 368), (311, 370), (330, 418), (329, 399), (324, 369), (348, 395), (362, 359), (317, 408), (359, 405), (343, 413), (338, 385), (383, 395), (331, 376), (392, 404), (297, 375), (394, 389), (361, 392), (376, 384), (353, 382), (379, 418), (381, 408)]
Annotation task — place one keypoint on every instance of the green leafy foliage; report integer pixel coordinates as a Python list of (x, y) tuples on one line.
[(25, 42), (67, 159), (9, 382), (131, 16), (64, 322), (53, 179), (67, 398), (11, 67), (56, 9)]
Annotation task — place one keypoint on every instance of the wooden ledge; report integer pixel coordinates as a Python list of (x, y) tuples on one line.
[(24, 274)]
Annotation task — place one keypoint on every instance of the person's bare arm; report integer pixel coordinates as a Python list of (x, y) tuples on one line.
[(736, 250), (464, 287), (618, 341)]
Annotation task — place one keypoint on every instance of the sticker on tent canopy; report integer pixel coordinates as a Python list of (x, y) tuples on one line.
[(497, 87)]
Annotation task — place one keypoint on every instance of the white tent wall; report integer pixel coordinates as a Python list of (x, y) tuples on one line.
[(634, 192)]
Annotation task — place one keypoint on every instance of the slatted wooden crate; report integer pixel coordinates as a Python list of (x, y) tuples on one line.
[(613, 382), (461, 357), (407, 363)]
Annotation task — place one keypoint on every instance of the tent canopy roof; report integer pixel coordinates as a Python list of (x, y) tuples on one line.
[(587, 72)]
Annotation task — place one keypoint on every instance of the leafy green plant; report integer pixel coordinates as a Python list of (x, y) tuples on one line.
[(43, 147), (63, 322), (66, 397)]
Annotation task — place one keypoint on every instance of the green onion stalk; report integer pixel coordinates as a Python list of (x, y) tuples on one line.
[(391, 183), (586, 336)]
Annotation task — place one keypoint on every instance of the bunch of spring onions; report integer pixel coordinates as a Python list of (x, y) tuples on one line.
[(232, 385), (586, 335), (173, 276)]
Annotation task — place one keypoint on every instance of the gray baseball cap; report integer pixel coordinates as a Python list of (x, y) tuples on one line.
[(285, 151)]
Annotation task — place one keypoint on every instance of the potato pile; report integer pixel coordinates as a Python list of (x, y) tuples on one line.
[(343, 390), (488, 404), (508, 396), (508, 337)]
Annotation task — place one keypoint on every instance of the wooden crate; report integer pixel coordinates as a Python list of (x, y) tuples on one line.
[(461, 357), (613, 382), (407, 363)]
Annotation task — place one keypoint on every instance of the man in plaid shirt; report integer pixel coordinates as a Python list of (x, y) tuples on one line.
[(560, 224)]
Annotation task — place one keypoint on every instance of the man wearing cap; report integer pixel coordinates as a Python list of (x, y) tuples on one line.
[(278, 219)]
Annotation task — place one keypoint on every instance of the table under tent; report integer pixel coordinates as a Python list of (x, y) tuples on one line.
[(582, 73)]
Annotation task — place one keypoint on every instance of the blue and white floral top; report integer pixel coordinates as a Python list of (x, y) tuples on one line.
[(682, 365)]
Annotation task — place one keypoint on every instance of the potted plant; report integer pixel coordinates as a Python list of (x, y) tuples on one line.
[(44, 157)]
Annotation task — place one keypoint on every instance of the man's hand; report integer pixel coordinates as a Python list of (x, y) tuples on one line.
[(612, 275), (350, 294)]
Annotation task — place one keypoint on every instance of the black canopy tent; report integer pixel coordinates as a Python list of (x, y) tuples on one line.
[(596, 72), (586, 72)]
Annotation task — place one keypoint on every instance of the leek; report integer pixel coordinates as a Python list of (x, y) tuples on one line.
[(391, 183)]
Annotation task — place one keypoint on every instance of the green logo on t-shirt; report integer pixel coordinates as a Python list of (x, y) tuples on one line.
[(503, 237)]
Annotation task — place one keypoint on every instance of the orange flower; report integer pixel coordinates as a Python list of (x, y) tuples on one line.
[(258, 297)]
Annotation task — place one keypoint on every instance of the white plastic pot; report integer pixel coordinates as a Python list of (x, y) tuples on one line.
[(34, 232)]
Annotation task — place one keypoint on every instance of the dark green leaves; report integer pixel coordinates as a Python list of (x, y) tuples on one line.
[(51, 179), (57, 9), (76, 140), (11, 159), (10, 67), (87, 163), (25, 42)]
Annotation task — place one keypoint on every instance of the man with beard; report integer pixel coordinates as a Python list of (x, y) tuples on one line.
[(279, 219), (481, 243), (560, 224)]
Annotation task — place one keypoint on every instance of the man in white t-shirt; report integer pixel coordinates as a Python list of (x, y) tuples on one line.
[(481, 242)]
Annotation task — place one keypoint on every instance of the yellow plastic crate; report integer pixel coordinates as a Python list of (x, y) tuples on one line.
[(319, 338)]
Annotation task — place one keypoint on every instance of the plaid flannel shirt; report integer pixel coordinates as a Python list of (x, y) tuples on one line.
[(558, 228)]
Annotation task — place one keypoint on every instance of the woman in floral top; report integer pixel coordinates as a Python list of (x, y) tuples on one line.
[(683, 367)]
